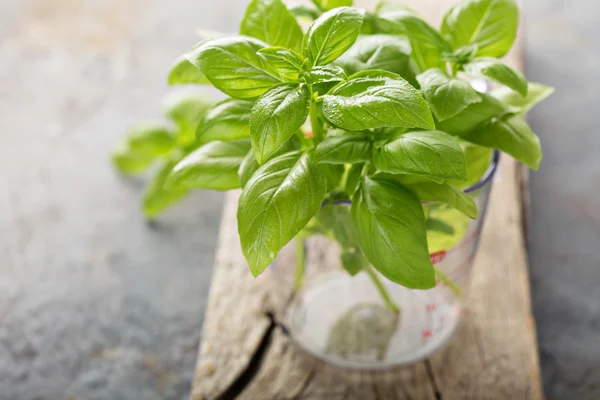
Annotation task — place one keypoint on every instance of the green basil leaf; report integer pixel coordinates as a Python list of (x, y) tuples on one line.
[(186, 109), (478, 161), (227, 120), (438, 240), (391, 230), (382, 52), (304, 12), (156, 197), (386, 133), (510, 134), (286, 57), (429, 153), (376, 99), (183, 72), (343, 229), (212, 166), (233, 66), (129, 161), (490, 24), (249, 164), (286, 62), (369, 25), (340, 147), (277, 202), (352, 177), (324, 87), (405, 179), (438, 225), (247, 168), (276, 116), (327, 73), (491, 68), (455, 198), (272, 22), (149, 137), (446, 95), (472, 116), (334, 174), (332, 34), (327, 5), (463, 54), (144, 142), (536, 92), (354, 261), (428, 46), (335, 222)]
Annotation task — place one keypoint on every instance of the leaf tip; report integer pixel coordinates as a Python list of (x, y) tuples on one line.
[(535, 164), (171, 79), (523, 89), (149, 213), (472, 211), (428, 122), (257, 269), (260, 157)]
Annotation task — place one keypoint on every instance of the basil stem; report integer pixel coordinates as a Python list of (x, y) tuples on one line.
[(300, 264), (457, 290), (316, 123), (382, 290)]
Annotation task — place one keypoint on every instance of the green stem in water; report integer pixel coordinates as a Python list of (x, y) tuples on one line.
[(300, 263), (382, 290), (316, 124), (457, 290)]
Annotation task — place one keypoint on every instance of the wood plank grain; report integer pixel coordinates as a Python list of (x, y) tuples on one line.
[(493, 356)]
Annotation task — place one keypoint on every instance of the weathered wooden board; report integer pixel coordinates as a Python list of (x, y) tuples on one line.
[(493, 356)]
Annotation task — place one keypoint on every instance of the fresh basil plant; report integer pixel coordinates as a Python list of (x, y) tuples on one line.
[(375, 108)]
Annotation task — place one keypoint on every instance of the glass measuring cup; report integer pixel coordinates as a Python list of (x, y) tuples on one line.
[(343, 320)]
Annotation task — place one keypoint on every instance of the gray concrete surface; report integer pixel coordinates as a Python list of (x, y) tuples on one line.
[(95, 304), (562, 49)]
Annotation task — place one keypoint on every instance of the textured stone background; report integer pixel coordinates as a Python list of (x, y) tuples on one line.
[(95, 304), (562, 49)]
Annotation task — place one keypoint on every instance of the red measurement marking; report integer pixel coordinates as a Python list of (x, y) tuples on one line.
[(437, 257), (309, 134), (430, 307), (472, 236), (426, 334)]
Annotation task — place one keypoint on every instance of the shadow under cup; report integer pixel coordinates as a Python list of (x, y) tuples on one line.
[(343, 320)]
